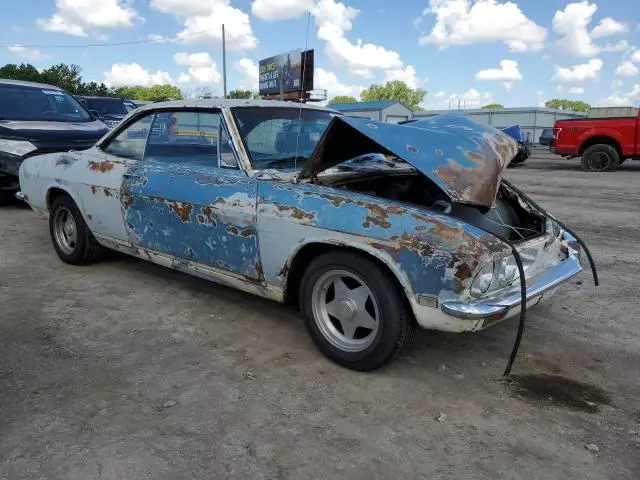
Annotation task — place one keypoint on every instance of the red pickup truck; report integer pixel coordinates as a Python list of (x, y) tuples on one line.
[(603, 143)]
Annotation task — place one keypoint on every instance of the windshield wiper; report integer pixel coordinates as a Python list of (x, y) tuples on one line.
[(286, 161)]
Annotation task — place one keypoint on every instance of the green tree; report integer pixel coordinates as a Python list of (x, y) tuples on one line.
[(395, 90), (343, 99), (24, 71), (62, 75), (156, 93), (240, 94), (564, 104), (494, 105)]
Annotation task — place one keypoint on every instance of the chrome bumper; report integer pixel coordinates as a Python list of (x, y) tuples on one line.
[(502, 305), (20, 196)]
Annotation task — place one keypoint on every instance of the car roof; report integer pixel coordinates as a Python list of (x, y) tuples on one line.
[(99, 97), (21, 83), (230, 103)]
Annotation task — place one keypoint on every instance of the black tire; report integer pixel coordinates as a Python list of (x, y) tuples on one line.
[(9, 186), (85, 249), (600, 158), (395, 325)]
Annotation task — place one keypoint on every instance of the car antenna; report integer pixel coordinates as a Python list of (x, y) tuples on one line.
[(304, 67)]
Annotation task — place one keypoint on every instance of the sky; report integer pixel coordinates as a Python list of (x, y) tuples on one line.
[(465, 53)]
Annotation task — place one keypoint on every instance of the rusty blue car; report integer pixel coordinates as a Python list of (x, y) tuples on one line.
[(371, 228)]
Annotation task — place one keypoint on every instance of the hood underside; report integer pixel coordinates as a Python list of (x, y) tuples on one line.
[(462, 157)]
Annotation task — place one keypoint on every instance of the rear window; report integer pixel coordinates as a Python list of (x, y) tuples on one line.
[(107, 106), (29, 103)]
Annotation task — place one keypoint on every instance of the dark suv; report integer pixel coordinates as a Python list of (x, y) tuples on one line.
[(36, 119), (108, 109)]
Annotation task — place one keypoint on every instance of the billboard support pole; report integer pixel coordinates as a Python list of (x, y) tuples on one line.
[(224, 64)]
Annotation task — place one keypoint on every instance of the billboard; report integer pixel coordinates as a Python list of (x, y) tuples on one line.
[(282, 73)]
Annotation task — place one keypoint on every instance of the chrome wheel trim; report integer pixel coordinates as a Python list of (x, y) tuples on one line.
[(346, 313), (65, 230)]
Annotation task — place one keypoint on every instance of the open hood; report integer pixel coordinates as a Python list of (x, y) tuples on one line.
[(461, 156)]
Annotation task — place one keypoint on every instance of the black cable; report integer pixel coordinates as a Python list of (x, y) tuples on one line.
[(592, 263), (523, 310)]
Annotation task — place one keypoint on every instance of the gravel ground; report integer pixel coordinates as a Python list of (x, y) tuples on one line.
[(125, 370)]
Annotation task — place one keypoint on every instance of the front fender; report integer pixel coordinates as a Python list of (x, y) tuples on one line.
[(430, 254)]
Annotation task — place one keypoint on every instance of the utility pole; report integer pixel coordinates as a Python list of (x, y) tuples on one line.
[(224, 63)]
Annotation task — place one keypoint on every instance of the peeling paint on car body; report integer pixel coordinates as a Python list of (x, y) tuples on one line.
[(245, 227)]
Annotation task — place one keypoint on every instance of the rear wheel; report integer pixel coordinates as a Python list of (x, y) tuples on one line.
[(353, 311), (600, 158), (70, 235)]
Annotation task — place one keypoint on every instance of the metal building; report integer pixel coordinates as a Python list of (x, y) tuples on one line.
[(390, 111), (531, 119)]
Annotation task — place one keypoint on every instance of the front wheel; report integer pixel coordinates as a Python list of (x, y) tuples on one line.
[(70, 235), (353, 311)]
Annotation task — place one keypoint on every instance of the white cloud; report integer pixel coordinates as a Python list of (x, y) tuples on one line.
[(202, 69), (334, 19), (26, 53), (578, 73), (249, 71), (620, 46), (559, 89), (628, 99), (78, 17), (183, 8), (608, 26), (328, 81), (572, 24), (507, 73), (133, 74), (462, 22), (471, 98), (635, 56), (407, 75), (616, 84), (271, 10), (627, 69), (203, 21), (576, 91)]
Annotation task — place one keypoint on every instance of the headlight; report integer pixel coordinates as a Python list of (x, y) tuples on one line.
[(552, 231), (509, 270), (482, 280)]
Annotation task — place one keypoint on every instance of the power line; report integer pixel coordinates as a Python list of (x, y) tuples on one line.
[(115, 44)]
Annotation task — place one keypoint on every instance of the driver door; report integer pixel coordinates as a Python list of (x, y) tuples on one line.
[(188, 198)]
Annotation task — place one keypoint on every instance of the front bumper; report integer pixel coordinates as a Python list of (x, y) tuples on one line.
[(506, 304)]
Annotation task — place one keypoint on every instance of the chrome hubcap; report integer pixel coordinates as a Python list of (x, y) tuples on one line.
[(65, 231), (345, 310)]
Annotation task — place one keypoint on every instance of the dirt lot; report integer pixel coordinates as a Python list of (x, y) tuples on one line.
[(125, 370)]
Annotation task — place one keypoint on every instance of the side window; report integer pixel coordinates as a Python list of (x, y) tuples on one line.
[(131, 141), (185, 138), (225, 150)]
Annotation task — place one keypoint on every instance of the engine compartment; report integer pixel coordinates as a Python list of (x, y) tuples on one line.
[(510, 217)]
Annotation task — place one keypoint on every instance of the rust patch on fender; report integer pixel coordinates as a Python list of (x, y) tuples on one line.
[(380, 215), (282, 275), (107, 193), (233, 230), (65, 160), (295, 212), (102, 167), (93, 189)]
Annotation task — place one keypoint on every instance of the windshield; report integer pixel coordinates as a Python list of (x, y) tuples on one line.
[(280, 138), (107, 106), (30, 103)]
